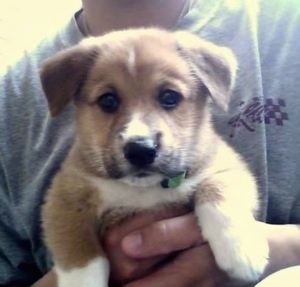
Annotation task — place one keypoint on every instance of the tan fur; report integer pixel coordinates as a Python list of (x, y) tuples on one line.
[(136, 64), (74, 243)]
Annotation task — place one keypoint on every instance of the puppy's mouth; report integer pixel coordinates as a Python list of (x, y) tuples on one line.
[(142, 177), (166, 172), (142, 174)]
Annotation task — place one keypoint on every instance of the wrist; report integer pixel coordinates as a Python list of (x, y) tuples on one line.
[(284, 244)]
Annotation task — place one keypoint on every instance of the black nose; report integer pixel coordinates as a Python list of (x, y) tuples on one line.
[(140, 153)]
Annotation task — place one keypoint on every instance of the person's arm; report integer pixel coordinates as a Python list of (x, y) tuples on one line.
[(14, 254), (284, 242)]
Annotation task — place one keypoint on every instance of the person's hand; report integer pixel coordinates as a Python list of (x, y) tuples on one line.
[(172, 252), (161, 249), (48, 280)]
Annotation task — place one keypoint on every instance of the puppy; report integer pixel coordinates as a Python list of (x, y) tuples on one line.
[(145, 141)]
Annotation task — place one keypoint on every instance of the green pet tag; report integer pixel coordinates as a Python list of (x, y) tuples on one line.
[(173, 182)]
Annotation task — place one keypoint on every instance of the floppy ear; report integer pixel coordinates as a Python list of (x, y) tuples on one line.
[(213, 65), (62, 76)]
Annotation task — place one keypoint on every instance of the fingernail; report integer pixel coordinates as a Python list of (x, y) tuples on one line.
[(132, 242)]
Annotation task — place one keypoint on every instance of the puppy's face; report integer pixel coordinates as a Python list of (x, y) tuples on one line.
[(142, 101)]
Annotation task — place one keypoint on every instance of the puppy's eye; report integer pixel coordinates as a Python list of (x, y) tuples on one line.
[(169, 99), (109, 102)]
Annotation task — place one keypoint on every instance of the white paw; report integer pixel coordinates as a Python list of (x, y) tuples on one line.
[(242, 256), (239, 250), (94, 274)]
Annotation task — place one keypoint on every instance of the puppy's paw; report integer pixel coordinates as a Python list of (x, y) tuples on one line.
[(242, 256), (94, 274), (239, 249)]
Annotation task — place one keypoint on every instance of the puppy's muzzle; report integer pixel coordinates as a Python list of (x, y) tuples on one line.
[(141, 152)]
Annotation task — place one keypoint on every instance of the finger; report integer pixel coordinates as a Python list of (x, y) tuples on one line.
[(124, 268), (193, 267), (115, 235), (163, 237), (47, 280)]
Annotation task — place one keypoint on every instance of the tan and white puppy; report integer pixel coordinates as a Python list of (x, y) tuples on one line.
[(145, 141)]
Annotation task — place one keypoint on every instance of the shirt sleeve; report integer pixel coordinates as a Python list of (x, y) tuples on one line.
[(17, 264)]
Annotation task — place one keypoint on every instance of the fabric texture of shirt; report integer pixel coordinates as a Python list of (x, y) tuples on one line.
[(262, 122)]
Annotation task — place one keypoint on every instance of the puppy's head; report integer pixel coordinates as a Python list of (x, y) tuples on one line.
[(142, 100)]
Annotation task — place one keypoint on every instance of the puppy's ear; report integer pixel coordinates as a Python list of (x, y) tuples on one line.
[(63, 75), (213, 65)]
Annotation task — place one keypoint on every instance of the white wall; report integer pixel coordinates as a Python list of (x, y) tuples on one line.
[(23, 22)]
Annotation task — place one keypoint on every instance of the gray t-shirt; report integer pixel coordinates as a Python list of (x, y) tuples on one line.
[(262, 123)]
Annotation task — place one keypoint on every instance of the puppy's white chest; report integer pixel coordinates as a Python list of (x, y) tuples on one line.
[(114, 194)]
